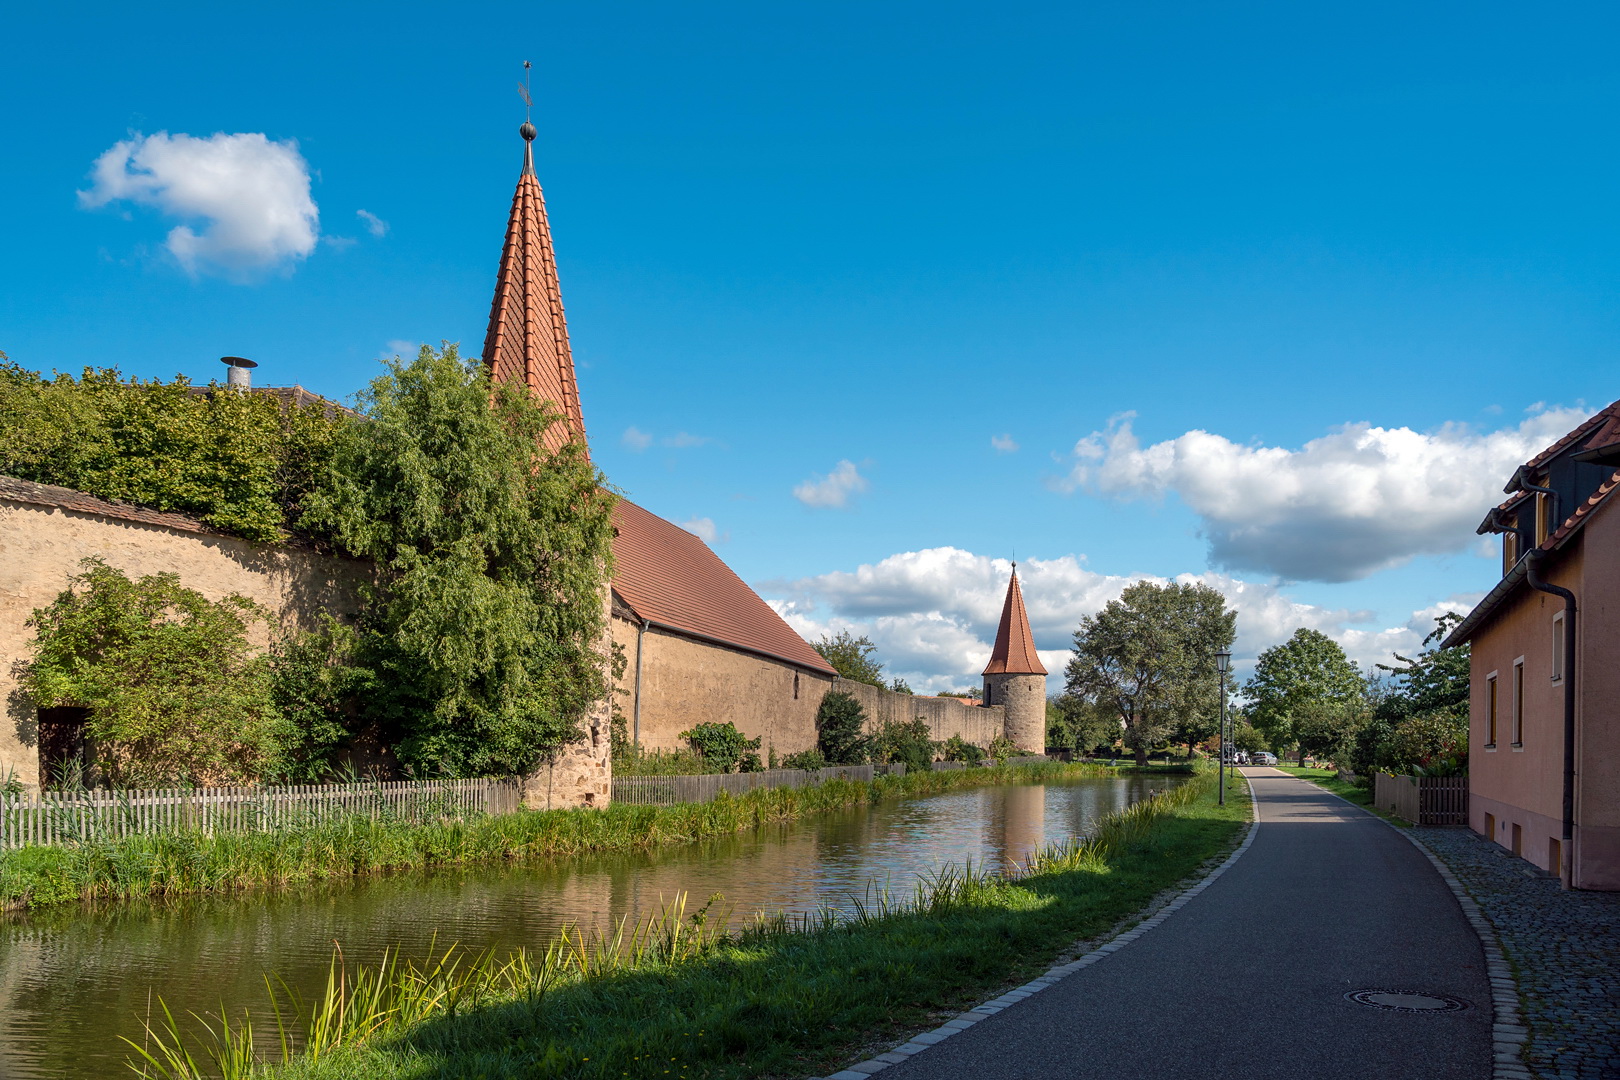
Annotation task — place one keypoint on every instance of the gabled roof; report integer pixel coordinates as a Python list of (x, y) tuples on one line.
[(1014, 651), (671, 579), (1599, 430), (527, 341)]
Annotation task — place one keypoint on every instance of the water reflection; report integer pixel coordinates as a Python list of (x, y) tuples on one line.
[(72, 982)]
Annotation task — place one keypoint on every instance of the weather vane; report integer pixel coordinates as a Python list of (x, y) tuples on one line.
[(523, 92)]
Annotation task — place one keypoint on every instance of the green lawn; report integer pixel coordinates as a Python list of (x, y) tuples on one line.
[(778, 999)]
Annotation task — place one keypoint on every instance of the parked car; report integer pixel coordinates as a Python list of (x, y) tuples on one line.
[(1262, 757)]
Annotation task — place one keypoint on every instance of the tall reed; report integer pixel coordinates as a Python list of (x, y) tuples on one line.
[(362, 1005)]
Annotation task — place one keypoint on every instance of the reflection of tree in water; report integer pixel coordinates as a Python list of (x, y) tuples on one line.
[(72, 981)]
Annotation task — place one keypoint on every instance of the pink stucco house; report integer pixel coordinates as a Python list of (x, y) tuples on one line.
[(1544, 705)]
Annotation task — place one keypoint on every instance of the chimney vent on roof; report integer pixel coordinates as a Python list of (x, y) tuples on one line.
[(237, 375)]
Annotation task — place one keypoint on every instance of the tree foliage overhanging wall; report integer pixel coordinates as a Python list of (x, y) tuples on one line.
[(476, 651)]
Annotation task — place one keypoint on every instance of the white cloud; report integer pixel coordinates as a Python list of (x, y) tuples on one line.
[(1003, 444), (399, 347), (249, 194), (636, 439), (833, 490), (375, 225), (933, 613), (1354, 501), (704, 529), (682, 440)]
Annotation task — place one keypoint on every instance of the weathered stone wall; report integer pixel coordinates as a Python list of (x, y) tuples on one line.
[(976, 724), (1024, 698), (685, 681), (42, 546)]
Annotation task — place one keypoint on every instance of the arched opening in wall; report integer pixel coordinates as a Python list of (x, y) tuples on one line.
[(795, 686), (63, 756)]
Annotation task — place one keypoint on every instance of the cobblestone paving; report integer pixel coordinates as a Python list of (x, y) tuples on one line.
[(1564, 947)]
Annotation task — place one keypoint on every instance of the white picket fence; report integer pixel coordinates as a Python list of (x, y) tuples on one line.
[(59, 817)]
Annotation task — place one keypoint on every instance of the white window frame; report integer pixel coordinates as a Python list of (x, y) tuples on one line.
[(1559, 630), (1493, 711), (1517, 705)]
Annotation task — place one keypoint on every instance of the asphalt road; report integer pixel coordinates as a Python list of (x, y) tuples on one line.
[(1248, 980)]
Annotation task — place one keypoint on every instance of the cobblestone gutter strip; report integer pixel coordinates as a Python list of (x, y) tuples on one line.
[(1156, 915)]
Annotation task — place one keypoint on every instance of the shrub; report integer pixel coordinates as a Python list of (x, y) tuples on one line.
[(841, 730), (1431, 743), (723, 746), (908, 742), (1002, 748), (957, 748), (805, 759), (176, 692)]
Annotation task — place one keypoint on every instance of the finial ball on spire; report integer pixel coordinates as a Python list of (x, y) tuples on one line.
[(527, 131)]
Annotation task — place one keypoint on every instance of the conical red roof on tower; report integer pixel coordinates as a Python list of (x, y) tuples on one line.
[(1014, 653), (527, 340)]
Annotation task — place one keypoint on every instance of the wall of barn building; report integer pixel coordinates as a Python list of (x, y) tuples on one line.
[(687, 681), (42, 546)]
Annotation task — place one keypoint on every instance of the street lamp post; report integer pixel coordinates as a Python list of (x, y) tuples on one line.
[(1223, 660)]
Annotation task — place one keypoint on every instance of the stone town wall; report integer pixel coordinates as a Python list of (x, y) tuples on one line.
[(42, 546), (976, 724)]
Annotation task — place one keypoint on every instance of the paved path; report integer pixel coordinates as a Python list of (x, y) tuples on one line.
[(1247, 981)]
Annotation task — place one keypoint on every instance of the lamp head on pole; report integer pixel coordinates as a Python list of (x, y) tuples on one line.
[(1223, 660)]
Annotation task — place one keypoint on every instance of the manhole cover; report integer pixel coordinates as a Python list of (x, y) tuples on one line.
[(1407, 1000)]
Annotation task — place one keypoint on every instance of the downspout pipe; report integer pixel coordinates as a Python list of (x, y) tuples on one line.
[(641, 633), (1534, 580)]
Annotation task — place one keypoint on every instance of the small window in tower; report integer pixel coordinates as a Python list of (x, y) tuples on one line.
[(1558, 647), (795, 686)]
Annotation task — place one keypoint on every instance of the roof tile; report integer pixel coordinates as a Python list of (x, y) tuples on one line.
[(1014, 652)]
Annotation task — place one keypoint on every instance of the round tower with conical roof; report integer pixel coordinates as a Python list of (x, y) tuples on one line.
[(1015, 678)]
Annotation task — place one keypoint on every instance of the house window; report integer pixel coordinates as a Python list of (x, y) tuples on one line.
[(1490, 711), (1518, 702), (1558, 647), (1510, 551), (1543, 517)]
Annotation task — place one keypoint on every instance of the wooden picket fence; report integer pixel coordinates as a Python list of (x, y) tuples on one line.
[(669, 790), (1423, 800), (62, 817)]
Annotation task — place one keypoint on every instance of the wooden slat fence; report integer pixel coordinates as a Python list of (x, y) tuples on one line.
[(63, 817), (1423, 800), (669, 790)]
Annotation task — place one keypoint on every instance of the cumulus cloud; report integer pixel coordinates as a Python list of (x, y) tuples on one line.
[(682, 440), (933, 613), (636, 439), (244, 200), (833, 490), (704, 529), (1354, 501), (1003, 444), (375, 225)]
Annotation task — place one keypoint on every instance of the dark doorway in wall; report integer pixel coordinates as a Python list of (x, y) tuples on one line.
[(61, 746)]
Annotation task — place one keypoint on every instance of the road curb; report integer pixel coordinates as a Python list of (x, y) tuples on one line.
[(918, 1043), (1508, 1031)]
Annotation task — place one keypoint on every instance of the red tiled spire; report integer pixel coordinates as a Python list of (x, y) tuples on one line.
[(528, 337), (1014, 653)]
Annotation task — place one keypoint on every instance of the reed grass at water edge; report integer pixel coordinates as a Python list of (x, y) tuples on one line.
[(182, 861), (697, 995)]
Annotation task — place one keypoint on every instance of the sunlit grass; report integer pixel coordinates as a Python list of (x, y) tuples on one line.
[(704, 994)]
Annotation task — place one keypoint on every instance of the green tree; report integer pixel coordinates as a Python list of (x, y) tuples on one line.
[(1306, 693), (177, 693), (909, 742), (851, 657), (841, 730), (1147, 659), (1436, 680), (1075, 724), (483, 623), (722, 746)]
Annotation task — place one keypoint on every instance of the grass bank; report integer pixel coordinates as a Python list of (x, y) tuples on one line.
[(685, 995), (1329, 778), (186, 862)]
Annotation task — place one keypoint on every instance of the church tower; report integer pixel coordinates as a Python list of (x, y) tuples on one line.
[(1015, 678), (527, 341)]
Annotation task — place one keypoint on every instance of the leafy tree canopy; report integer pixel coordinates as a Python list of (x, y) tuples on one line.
[(1306, 692), (851, 657), (482, 626), (177, 693), (841, 730), (1436, 680), (1147, 659), (243, 463)]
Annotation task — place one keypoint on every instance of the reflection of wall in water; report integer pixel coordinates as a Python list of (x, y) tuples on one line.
[(1018, 821)]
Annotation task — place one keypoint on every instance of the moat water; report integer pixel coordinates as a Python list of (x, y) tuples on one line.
[(73, 982)]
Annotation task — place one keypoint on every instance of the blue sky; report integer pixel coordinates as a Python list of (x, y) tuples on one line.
[(1367, 249)]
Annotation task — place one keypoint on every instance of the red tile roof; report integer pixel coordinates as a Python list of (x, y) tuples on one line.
[(671, 578), (527, 340), (26, 491), (1603, 426), (1014, 652)]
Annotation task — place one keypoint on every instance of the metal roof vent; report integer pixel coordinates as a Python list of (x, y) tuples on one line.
[(238, 373)]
